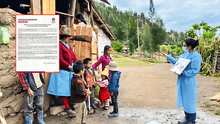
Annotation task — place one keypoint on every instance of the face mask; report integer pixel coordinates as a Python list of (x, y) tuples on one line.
[(184, 49)]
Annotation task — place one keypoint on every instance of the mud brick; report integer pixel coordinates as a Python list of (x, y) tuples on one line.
[(6, 102), (18, 104)]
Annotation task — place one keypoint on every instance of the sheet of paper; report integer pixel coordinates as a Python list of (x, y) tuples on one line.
[(180, 65), (37, 43)]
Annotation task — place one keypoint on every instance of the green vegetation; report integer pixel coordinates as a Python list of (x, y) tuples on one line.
[(158, 61), (208, 46), (216, 105), (208, 105), (3, 24), (97, 91), (217, 112), (152, 31), (128, 61), (117, 46)]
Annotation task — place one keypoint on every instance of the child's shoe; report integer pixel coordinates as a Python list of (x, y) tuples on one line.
[(93, 106), (91, 111), (105, 107), (183, 122), (70, 111), (112, 114)]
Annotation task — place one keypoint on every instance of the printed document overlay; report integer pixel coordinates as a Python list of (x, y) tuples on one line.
[(37, 43)]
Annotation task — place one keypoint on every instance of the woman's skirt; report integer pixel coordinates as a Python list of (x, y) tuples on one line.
[(60, 83)]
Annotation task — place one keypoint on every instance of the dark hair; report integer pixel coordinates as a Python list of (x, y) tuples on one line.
[(80, 16), (85, 61), (62, 37), (78, 66), (106, 48), (191, 42), (106, 77)]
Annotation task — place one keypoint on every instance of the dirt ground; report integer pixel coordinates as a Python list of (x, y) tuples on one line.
[(149, 94)]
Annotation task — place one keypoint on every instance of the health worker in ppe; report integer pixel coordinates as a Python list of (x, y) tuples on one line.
[(186, 82)]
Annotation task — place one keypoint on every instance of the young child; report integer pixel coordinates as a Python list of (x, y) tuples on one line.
[(33, 94), (104, 95), (89, 77), (104, 59), (113, 86), (79, 93)]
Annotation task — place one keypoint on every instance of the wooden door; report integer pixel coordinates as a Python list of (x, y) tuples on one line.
[(83, 49)]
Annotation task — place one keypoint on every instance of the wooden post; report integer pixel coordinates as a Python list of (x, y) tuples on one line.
[(73, 9), (48, 6), (69, 12), (138, 40), (35, 7), (89, 32), (159, 54)]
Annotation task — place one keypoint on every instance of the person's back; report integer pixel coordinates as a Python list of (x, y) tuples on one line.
[(113, 86), (114, 81)]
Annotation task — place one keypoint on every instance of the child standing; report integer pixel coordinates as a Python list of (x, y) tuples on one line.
[(104, 59), (33, 94), (79, 93), (104, 95), (114, 86), (89, 77)]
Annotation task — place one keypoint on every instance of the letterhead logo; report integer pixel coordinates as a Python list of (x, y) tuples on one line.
[(53, 20)]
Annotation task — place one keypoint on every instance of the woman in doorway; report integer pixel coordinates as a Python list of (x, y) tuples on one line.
[(186, 82), (80, 20)]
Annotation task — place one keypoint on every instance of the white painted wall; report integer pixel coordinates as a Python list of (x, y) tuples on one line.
[(103, 40)]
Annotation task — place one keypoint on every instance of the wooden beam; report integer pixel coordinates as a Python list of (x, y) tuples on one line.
[(102, 26), (82, 38), (101, 20), (105, 1), (25, 5), (64, 13), (88, 5)]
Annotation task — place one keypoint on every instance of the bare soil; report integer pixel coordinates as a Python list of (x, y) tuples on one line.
[(149, 94)]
